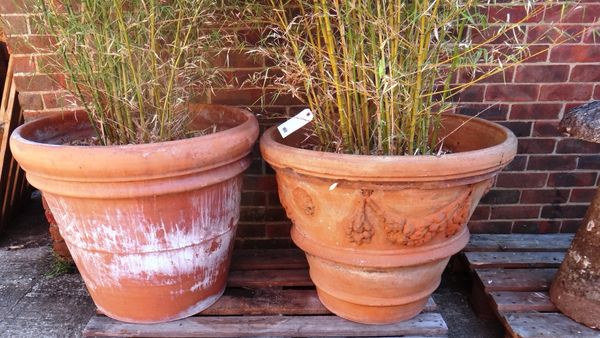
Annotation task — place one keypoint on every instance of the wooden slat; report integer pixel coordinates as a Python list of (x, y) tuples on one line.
[(478, 260), (268, 259), (267, 302), (519, 242), (546, 325), (426, 324), (516, 279), (268, 278), (507, 301), (273, 302)]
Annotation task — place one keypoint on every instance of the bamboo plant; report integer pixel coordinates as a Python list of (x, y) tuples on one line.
[(132, 64), (377, 74)]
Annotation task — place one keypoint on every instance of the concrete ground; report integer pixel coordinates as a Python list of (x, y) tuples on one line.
[(39, 297)]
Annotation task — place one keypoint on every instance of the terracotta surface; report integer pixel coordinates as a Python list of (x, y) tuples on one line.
[(378, 230), (150, 226)]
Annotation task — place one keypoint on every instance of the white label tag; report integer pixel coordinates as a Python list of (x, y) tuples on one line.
[(295, 123)]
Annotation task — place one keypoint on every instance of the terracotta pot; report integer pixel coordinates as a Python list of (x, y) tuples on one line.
[(59, 246), (378, 231), (150, 226)]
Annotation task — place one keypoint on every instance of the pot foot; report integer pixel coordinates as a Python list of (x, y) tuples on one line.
[(368, 314)]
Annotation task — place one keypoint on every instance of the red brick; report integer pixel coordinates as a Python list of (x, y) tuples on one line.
[(589, 162), (572, 179), (513, 14), (483, 76), (563, 211), (572, 105), (591, 35), (543, 196), (575, 146), (535, 111), (520, 129), (237, 59), (542, 73), (481, 213), (573, 13), (583, 195), (575, 53), (38, 83), (281, 99), (515, 212), (275, 214), (59, 100), (536, 146), (485, 111), (13, 7), (24, 64), (552, 162), (585, 73), (511, 93), (536, 227), (556, 34), (278, 230), (521, 180), (596, 95), (517, 164), (501, 197), (15, 24), (537, 53), (253, 198), (494, 35), (546, 128), (566, 92), (260, 183), (489, 227), (30, 44), (570, 226), (31, 101), (252, 214), (235, 97), (250, 230)]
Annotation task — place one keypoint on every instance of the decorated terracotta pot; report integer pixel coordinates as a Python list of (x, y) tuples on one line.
[(150, 227), (378, 231)]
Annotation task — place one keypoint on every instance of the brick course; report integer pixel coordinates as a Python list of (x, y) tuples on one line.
[(547, 187)]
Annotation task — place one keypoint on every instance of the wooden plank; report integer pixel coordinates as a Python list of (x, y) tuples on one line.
[(519, 242), (268, 278), (507, 301), (478, 260), (425, 324), (237, 301), (268, 259), (516, 279), (545, 325)]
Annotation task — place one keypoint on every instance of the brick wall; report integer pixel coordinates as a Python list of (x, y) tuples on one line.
[(546, 189)]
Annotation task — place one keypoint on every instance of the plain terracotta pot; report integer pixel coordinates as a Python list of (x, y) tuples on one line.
[(378, 231), (150, 226)]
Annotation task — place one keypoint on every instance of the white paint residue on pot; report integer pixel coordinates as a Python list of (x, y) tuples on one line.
[(125, 229)]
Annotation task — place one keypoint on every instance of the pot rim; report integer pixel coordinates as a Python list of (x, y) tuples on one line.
[(136, 162), (17, 133), (483, 162)]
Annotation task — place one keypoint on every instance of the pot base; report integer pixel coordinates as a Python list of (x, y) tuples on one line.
[(194, 309), (366, 314)]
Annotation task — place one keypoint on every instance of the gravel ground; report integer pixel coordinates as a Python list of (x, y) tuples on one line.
[(39, 299)]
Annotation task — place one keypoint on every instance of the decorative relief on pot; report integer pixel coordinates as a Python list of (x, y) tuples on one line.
[(359, 226), (304, 201), (401, 230)]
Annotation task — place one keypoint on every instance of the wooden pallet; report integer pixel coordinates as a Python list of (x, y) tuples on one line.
[(13, 185), (269, 293), (512, 275)]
